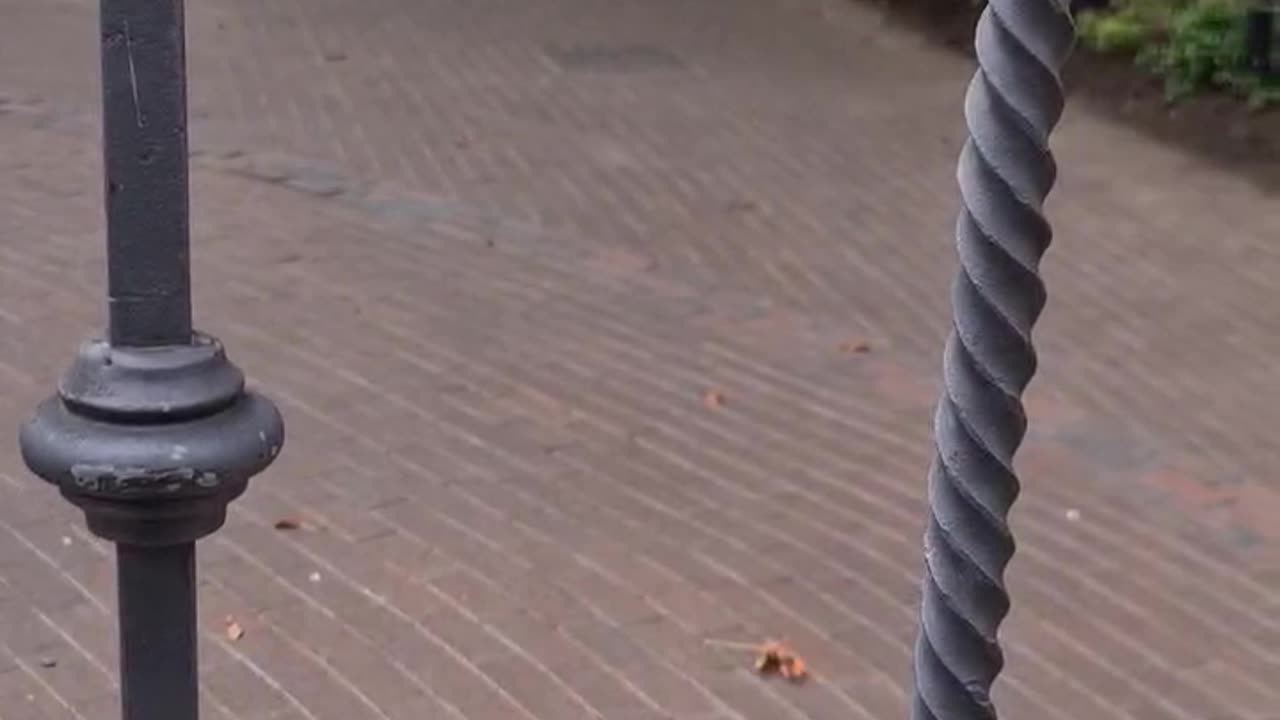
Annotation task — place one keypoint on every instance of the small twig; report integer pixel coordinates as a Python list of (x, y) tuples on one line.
[(731, 645)]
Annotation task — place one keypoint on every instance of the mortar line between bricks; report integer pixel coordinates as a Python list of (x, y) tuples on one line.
[(335, 674), (56, 568), (79, 648), (324, 610), (301, 358), (333, 571), (339, 187), (356, 195), (521, 652), (44, 685), (553, 258), (260, 673), (621, 676)]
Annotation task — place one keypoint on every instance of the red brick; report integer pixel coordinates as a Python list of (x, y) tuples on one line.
[(491, 328), (670, 690), (531, 688)]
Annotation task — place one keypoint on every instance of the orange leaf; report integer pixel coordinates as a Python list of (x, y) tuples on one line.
[(772, 657), (855, 347), (795, 670)]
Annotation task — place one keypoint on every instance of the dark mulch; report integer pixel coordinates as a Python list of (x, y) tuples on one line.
[(1220, 128)]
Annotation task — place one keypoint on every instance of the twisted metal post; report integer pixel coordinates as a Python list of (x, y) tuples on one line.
[(1005, 172)]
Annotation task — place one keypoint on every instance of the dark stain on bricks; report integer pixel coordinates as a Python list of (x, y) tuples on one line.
[(1241, 512), (316, 182), (1112, 448), (1244, 538)]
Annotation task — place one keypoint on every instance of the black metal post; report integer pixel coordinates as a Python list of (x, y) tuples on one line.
[(152, 432), (144, 129), (1260, 32), (1005, 173), (158, 631)]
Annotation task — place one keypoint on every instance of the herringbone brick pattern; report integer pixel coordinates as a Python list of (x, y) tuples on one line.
[(492, 257)]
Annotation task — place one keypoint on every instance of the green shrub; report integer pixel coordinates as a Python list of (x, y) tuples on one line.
[(1204, 48), (1193, 45), (1127, 26), (1113, 32)]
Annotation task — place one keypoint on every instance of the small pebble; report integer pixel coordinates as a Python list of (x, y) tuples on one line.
[(48, 663), (1073, 515), (314, 577)]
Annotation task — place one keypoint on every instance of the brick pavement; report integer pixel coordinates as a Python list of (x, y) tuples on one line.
[(490, 257)]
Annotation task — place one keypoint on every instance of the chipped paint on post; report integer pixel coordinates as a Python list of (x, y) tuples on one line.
[(108, 480)]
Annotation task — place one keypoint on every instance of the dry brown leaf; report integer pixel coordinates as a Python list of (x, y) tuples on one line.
[(234, 630), (714, 398), (771, 658), (794, 669), (288, 523), (855, 347)]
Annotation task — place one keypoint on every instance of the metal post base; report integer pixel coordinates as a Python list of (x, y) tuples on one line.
[(152, 443)]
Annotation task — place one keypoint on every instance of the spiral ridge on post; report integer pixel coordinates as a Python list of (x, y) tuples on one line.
[(1006, 171)]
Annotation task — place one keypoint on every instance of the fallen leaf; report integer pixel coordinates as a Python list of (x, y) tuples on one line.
[(714, 398), (288, 523), (234, 630), (48, 663), (855, 347), (794, 669), (771, 658)]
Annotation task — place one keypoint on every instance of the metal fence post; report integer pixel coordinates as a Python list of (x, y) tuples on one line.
[(152, 432), (1005, 173)]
